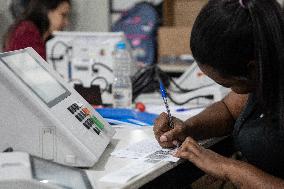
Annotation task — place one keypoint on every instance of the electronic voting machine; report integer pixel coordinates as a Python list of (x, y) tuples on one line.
[(44, 116), (19, 170)]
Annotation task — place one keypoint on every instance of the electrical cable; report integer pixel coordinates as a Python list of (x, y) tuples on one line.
[(146, 75), (209, 97), (102, 65), (142, 80), (53, 59), (107, 87), (182, 90)]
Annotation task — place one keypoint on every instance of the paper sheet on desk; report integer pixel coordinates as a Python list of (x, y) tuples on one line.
[(148, 153), (146, 149), (128, 172)]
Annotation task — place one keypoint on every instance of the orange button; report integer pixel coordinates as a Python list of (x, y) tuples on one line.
[(86, 111)]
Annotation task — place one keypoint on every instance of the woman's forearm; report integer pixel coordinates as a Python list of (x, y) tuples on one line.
[(214, 121), (218, 119), (246, 176)]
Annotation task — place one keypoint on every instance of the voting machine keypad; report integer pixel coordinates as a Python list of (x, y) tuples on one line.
[(84, 115)]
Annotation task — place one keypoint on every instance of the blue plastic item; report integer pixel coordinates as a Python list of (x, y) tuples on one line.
[(128, 116)]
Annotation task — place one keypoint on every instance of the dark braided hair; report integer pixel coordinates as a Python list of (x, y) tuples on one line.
[(227, 35)]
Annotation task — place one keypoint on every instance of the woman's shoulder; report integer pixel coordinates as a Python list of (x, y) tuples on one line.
[(26, 26)]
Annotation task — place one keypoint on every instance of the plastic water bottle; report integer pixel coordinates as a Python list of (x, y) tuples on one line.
[(122, 86)]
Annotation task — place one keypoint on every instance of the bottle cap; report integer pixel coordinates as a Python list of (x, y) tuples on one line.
[(121, 45)]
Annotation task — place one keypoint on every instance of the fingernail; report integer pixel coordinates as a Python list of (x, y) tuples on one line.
[(175, 154), (175, 143), (163, 138)]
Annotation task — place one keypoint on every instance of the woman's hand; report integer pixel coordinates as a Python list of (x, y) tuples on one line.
[(241, 174), (166, 136), (205, 159)]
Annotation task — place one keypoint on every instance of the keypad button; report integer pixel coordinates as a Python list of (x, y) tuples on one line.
[(96, 130), (71, 110), (74, 106), (97, 122), (86, 125), (82, 115), (86, 111), (80, 118), (90, 121)]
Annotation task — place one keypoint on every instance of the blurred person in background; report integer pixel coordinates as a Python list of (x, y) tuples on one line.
[(40, 19)]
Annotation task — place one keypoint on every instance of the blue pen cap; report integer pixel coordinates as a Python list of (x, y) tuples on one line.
[(163, 90), (121, 45)]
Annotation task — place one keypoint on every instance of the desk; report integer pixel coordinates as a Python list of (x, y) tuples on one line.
[(122, 138), (162, 175)]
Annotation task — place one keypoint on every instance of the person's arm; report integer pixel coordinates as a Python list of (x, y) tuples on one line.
[(218, 119), (241, 174), (246, 176)]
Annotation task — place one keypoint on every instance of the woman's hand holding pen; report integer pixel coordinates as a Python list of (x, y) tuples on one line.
[(166, 136), (207, 160)]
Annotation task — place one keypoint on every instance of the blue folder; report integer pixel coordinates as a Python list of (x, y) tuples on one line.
[(128, 116)]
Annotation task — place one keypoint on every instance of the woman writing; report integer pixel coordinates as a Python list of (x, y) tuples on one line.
[(41, 18), (239, 44)]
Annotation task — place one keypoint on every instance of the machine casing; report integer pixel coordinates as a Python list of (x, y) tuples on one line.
[(47, 130), (19, 170)]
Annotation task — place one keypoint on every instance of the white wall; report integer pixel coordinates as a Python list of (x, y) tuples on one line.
[(89, 15), (5, 19)]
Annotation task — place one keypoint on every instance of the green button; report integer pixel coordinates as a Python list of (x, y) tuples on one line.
[(97, 122)]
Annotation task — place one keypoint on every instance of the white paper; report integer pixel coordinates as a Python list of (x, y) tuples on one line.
[(146, 149), (128, 172)]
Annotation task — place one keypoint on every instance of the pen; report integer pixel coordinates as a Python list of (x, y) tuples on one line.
[(187, 109), (164, 96)]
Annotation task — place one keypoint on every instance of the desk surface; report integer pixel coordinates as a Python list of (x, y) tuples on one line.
[(107, 164), (125, 136), (129, 135)]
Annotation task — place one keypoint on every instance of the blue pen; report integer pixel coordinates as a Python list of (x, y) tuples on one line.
[(187, 109), (164, 96)]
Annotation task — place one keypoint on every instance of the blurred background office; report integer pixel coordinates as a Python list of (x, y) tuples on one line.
[(169, 39), (87, 15)]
